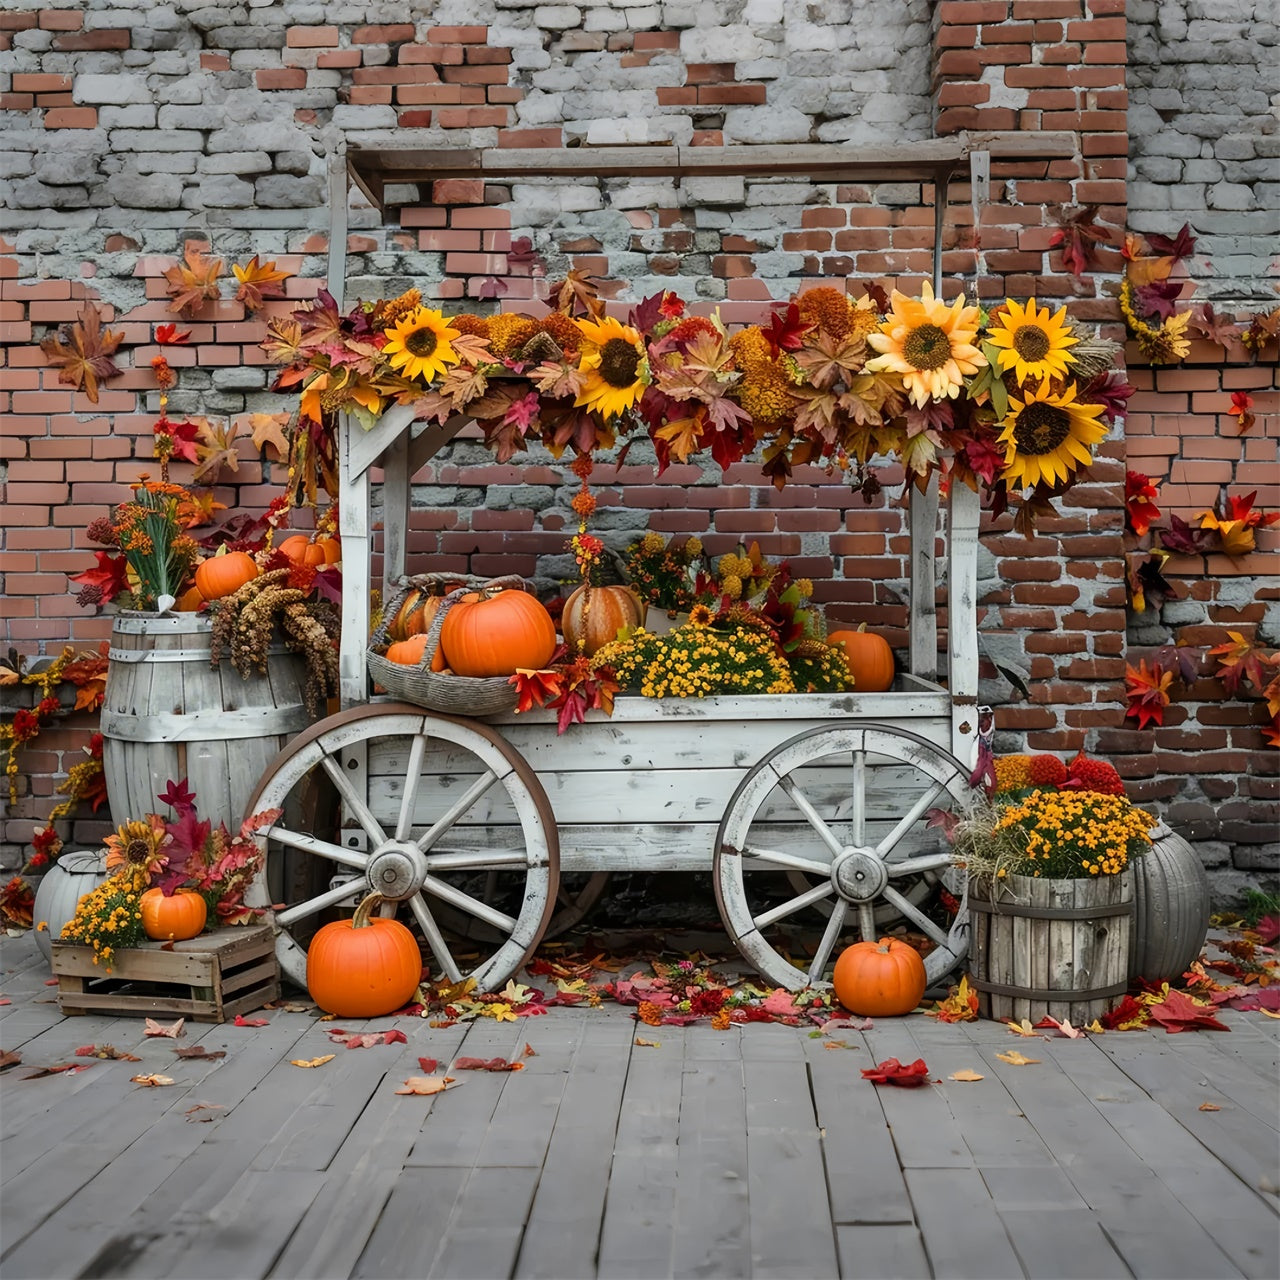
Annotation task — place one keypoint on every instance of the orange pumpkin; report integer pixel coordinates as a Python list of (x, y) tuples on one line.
[(593, 616), (868, 657), (224, 573), (879, 979), (189, 601), (494, 633), (408, 652), (178, 916), (363, 967), (414, 615), (300, 549)]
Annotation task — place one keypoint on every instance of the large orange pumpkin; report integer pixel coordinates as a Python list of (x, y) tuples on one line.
[(179, 916), (494, 633), (224, 573), (879, 979), (868, 657), (593, 616), (363, 967)]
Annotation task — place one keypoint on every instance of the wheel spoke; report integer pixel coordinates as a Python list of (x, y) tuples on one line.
[(812, 816), (435, 939), (867, 921), (910, 818), (859, 817), (790, 908), (775, 858), (829, 936), (472, 906), (925, 862), (322, 848), (457, 809), (330, 898), (913, 913), (475, 859), (354, 803), (412, 777)]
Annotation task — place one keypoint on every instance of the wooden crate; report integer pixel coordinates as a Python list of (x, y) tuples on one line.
[(211, 978)]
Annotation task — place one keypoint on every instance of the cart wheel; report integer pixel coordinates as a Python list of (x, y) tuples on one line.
[(449, 805), (846, 809), (578, 893)]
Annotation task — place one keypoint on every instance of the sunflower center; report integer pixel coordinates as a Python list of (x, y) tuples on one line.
[(928, 347), (422, 343), (138, 852), (1031, 342), (619, 361), (1041, 428)]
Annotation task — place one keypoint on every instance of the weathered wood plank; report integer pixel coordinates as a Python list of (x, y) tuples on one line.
[(1065, 1242), (482, 1236), (408, 1231), (962, 1232)]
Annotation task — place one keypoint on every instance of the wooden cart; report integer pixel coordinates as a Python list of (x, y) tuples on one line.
[(811, 811)]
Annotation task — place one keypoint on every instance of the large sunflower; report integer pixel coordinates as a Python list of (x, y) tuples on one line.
[(139, 846), (929, 344), (1047, 435), (1035, 343), (419, 345), (613, 360)]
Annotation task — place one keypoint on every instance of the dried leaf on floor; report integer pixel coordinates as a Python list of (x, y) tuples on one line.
[(965, 1076), (242, 1021), (1208, 1106), (63, 1068), (529, 1050), (486, 1064), (196, 1114), (1015, 1059), (105, 1051), (428, 1084), (171, 1029), (152, 1081), (311, 1062), (1023, 1028), (1063, 1028), (891, 1071), (200, 1053), (429, 1065), (648, 1044), (9, 1059)]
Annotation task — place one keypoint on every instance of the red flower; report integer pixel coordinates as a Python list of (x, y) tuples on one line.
[(708, 1002)]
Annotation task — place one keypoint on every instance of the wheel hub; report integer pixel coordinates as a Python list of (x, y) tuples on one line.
[(858, 876), (396, 871)]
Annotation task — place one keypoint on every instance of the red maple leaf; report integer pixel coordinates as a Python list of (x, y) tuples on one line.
[(167, 335), (1147, 692), (1139, 501), (786, 330), (536, 688), (1077, 236), (1178, 1012), (1127, 1015), (1183, 245), (891, 1071), (108, 578)]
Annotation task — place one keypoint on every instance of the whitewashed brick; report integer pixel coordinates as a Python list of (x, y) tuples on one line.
[(118, 90), (557, 17)]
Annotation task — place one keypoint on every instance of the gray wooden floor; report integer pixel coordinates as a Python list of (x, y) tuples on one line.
[(753, 1152)]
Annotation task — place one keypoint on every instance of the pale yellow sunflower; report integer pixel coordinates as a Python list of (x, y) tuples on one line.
[(419, 346), (1047, 435), (1035, 343), (929, 343), (613, 360), (139, 845)]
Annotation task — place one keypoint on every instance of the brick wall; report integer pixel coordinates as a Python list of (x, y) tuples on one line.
[(127, 131)]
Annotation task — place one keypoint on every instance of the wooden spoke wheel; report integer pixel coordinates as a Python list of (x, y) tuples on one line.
[(450, 813), (829, 836), (578, 893)]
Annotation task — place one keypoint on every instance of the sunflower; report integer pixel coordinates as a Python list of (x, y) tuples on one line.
[(1048, 435), (929, 344), (138, 845), (701, 616), (613, 359), (419, 345), (1035, 343)]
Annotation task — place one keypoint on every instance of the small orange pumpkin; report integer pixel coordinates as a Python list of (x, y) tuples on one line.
[(177, 916), (224, 573), (189, 601), (363, 967), (868, 657), (495, 633), (300, 549), (879, 979), (408, 653), (593, 616)]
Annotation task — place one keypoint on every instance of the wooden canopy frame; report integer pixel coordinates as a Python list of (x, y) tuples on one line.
[(402, 445)]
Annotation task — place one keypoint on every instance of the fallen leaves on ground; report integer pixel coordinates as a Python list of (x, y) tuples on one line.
[(152, 1081), (62, 1068), (486, 1064), (1063, 1028), (242, 1021), (1023, 1028), (1179, 1012), (966, 1076), (1208, 1106), (428, 1084), (648, 1044), (429, 1065), (170, 1029), (105, 1051), (367, 1039), (200, 1053), (961, 1005), (891, 1071), (9, 1059), (1015, 1059), (311, 1062), (195, 1114), (529, 1050)]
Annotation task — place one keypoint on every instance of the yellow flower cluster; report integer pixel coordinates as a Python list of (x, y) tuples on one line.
[(1075, 833), (1013, 773), (697, 662), (110, 917), (764, 391)]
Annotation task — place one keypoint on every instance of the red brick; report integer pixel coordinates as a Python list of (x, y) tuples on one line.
[(474, 75), (311, 38), (963, 64), (732, 94), (60, 20), (439, 54), (395, 75), (964, 95), (956, 38), (954, 12), (35, 82), (363, 95), (1009, 33), (398, 33), (458, 35), (436, 95), (17, 101), (485, 217), (47, 100), (339, 58), (530, 138), (71, 118), (17, 21), (471, 117), (1116, 54), (282, 78), (458, 191), (1098, 29), (215, 62), (481, 55), (1039, 9), (504, 94), (677, 97), (708, 72)]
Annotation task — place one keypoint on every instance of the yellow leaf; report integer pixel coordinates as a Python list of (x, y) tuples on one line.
[(965, 1076), (682, 434), (1209, 1106), (1096, 1028), (648, 1044), (311, 1062), (151, 1082), (1015, 1059), (1270, 1013), (268, 433), (1023, 1028), (428, 1084), (258, 281)]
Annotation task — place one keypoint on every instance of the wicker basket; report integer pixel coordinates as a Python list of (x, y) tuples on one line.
[(455, 695)]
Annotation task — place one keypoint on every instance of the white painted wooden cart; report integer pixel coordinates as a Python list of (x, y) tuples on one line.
[(811, 811)]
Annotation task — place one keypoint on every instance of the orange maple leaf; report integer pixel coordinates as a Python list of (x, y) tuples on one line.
[(83, 351), (258, 282), (536, 688), (1240, 660), (1147, 692), (195, 283)]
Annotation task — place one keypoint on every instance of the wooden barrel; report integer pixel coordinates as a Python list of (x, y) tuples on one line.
[(169, 714), (1050, 947), (1171, 899)]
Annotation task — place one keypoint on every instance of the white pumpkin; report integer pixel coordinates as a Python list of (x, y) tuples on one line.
[(60, 891)]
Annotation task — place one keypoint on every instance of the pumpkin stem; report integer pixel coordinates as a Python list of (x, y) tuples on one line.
[(361, 918)]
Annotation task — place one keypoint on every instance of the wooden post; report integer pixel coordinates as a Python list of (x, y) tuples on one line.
[(923, 588), (962, 620)]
